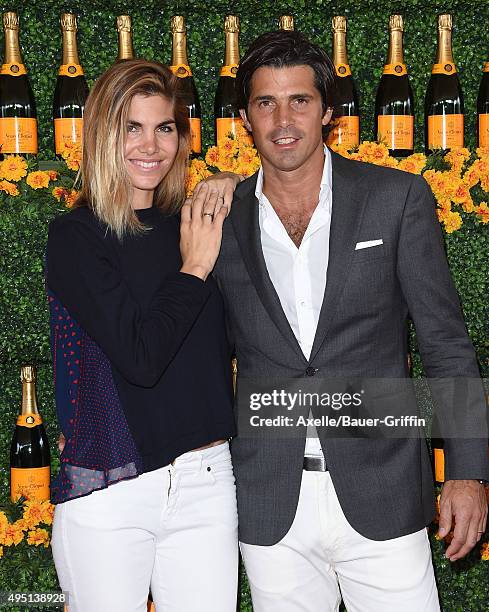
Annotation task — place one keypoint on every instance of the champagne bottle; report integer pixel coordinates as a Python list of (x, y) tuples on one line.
[(437, 448), (394, 104), (346, 130), (444, 105), (29, 452), (124, 29), (18, 117), (226, 111), (286, 22), (180, 67), (483, 109), (71, 89)]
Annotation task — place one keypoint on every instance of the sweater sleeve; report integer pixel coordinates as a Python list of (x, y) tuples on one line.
[(84, 275)]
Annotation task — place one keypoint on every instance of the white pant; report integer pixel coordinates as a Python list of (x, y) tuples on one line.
[(302, 571), (174, 529)]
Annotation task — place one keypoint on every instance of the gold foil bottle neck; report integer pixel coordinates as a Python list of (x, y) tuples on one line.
[(396, 23), (27, 374), (68, 22), (339, 24), (10, 21), (123, 23), (445, 22), (177, 24), (28, 378), (231, 24), (286, 22)]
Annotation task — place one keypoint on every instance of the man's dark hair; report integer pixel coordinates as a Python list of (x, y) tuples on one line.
[(282, 49)]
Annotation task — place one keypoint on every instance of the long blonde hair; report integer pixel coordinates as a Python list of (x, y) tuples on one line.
[(106, 186)]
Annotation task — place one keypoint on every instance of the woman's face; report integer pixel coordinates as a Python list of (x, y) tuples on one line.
[(151, 145)]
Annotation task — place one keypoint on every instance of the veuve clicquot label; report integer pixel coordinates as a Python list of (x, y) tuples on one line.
[(346, 129), (226, 111), (29, 451), (180, 67), (444, 105), (71, 90), (18, 117), (483, 109), (394, 104)]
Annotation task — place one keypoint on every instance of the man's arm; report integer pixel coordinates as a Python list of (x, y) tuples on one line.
[(447, 353)]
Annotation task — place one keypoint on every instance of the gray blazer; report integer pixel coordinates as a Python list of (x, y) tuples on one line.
[(384, 486)]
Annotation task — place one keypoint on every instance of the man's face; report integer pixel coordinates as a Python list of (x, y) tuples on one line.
[(285, 116)]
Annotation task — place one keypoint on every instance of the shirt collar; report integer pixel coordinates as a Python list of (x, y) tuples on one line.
[(326, 182)]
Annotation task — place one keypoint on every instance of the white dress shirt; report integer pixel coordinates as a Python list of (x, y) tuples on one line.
[(299, 274)]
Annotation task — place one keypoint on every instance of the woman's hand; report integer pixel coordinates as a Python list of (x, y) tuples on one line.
[(201, 231), (222, 183)]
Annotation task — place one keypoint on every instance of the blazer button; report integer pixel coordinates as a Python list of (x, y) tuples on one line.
[(311, 371)]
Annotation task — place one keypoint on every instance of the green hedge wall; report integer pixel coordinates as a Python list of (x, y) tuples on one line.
[(23, 313)]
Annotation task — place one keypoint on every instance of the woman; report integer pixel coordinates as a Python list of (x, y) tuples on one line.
[(145, 494)]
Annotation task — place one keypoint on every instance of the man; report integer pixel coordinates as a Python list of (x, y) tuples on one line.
[(321, 261)]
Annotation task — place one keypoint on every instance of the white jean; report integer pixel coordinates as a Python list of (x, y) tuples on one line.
[(173, 529), (322, 553)]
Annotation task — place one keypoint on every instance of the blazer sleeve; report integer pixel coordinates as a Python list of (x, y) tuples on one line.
[(85, 277), (445, 347)]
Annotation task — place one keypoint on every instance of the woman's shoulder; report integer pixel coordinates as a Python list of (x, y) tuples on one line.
[(81, 215)]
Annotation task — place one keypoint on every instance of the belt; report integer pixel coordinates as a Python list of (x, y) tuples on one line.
[(315, 464)]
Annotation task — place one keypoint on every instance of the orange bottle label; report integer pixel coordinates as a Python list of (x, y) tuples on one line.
[(70, 70), (396, 131), (343, 70), (29, 420), (484, 130), (195, 135), (445, 131), (345, 132), (13, 69), (18, 135), (32, 483), (446, 68), (486, 67), (395, 69), (67, 131), (234, 126), (181, 70), (439, 457), (230, 71)]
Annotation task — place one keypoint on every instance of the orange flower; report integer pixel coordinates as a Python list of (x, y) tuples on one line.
[(482, 152), (483, 211), (461, 192), (13, 168), (9, 188), (13, 534), (59, 193), (212, 156), (414, 163), (485, 551), (38, 536), (53, 175), (38, 179), (227, 147), (70, 198), (471, 176), (452, 222), (33, 513)]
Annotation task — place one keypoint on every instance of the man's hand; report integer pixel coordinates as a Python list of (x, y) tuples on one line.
[(463, 502), (222, 185), (61, 443)]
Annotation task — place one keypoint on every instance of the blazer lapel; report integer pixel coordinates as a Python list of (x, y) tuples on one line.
[(245, 219), (349, 197)]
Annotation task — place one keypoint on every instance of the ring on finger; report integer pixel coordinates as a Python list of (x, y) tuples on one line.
[(207, 214)]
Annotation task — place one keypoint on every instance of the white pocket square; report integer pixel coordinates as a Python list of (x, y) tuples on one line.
[(368, 243)]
